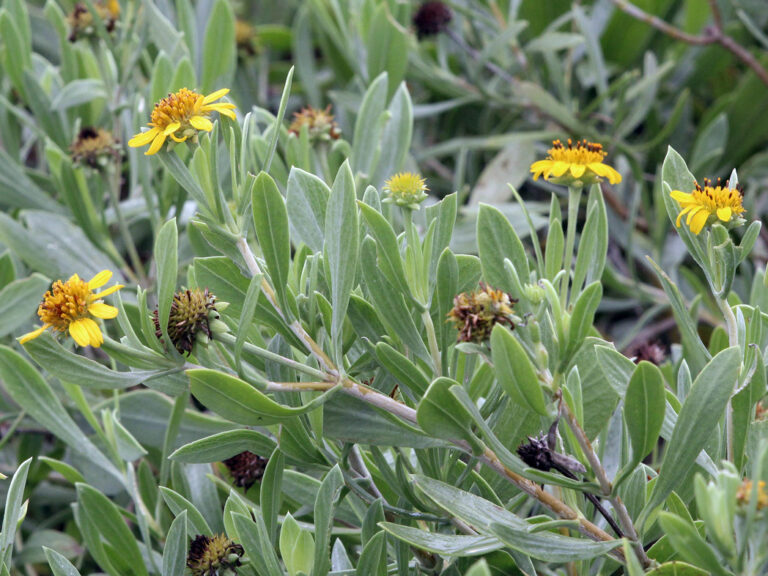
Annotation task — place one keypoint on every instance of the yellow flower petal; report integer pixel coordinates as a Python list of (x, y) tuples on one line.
[(32, 335), (156, 145), (577, 170), (100, 279), (724, 213), (101, 310), (171, 128), (693, 211), (682, 213), (108, 291), (215, 95), (613, 176), (79, 332), (698, 221), (201, 123), (177, 139), (559, 168), (681, 196), (224, 109), (74, 278), (143, 138), (94, 332)]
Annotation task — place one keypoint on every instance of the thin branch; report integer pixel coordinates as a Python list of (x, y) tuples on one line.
[(712, 35)]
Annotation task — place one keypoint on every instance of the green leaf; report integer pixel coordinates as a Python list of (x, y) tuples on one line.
[(240, 402), (583, 316), (388, 248), (553, 251), (306, 202), (175, 551), (19, 300), (178, 504), (697, 420), (341, 250), (407, 373), (28, 389), (368, 126), (444, 544), (395, 140), (696, 354), (167, 257), (224, 445), (326, 500), (515, 371), (271, 492), (12, 513), (492, 520), (373, 560), (255, 540), (497, 241), (279, 119), (270, 220), (387, 47), (297, 547), (616, 368), (593, 244), (111, 526), (219, 50), (677, 568), (59, 564), (390, 304), (644, 407), (78, 92), (441, 415), (690, 545), (79, 370)]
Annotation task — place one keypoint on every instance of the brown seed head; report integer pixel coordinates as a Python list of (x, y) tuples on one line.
[(431, 18), (476, 313), (246, 468), (211, 556), (189, 320)]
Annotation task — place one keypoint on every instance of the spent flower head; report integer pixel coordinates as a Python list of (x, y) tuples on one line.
[(406, 189), (744, 494), (246, 468), (213, 556), (245, 38), (320, 124), (431, 18), (71, 306), (708, 204), (81, 21), (94, 147), (476, 313), (193, 318), (570, 163), (181, 116)]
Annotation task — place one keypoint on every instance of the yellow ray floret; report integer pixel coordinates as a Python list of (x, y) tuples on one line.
[(708, 204), (181, 115), (581, 161), (71, 306)]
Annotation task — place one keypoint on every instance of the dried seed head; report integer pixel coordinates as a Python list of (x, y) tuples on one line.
[(193, 317), (476, 313), (431, 18), (213, 556), (94, 147), (246, 468), (652, 352), (744, 495), (320, 124)]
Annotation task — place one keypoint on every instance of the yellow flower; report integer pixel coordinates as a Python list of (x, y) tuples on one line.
[(181, 115), (744, 495), (68, 306), (709, 204), (406, 189), (582, 161)]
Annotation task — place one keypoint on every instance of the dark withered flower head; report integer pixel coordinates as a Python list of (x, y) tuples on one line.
[(476, 313), (319, 122), (431, 18), (193, 318), (246, 468), (94, 147), (213, 556), (245, 37), (536, 453), (81, 21), (652, 352)]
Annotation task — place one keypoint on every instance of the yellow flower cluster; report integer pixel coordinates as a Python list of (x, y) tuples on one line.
[(582, 161), (708, 204)]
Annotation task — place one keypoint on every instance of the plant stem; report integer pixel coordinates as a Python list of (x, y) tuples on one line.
[(122, 225), (605, 484), (574, 198)]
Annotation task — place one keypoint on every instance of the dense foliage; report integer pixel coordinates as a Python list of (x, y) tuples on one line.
[(383, 287)]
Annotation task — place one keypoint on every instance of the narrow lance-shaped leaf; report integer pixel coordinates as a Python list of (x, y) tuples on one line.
[(696, 422), (341, 250), (515, 371)]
